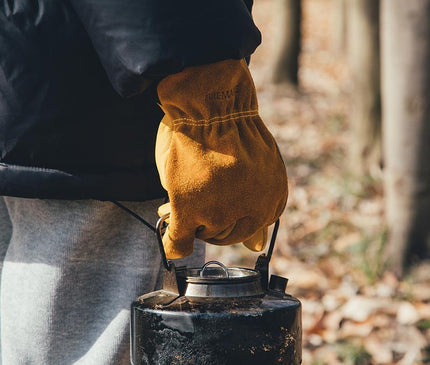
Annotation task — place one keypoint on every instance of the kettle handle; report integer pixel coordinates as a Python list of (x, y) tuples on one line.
[(160, 229), (273, 239), (261, 265)]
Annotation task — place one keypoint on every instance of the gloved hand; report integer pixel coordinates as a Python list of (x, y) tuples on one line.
[(217, 160)]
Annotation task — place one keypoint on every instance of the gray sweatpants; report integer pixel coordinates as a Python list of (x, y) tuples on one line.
[(70, 271)]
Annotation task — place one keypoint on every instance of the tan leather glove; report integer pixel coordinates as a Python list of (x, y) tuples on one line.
[(217, 160)]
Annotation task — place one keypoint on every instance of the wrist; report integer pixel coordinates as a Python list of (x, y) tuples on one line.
[(201, 94)]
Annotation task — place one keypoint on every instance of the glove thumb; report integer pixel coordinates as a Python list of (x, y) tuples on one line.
[(258, 240), (177, 241)]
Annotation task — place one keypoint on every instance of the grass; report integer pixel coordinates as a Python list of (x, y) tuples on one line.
[(424, 325), (426, 357), (369, 257), (352, 354)]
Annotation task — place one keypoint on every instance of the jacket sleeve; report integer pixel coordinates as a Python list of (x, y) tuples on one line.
[(142, 40)]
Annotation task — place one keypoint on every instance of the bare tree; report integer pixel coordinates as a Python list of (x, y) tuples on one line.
[(364, 64), (288, 20), (406, 126), (338, 26)]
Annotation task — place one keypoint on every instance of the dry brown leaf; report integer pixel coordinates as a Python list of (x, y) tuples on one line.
[(407, 313)]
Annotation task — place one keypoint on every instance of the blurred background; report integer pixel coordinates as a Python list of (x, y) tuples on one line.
[(344, 86)]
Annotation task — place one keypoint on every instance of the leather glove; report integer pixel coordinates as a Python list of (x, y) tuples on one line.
[(220, 165)]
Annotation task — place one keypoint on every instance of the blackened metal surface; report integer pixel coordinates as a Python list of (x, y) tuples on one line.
[(264, 330), (278, 283)]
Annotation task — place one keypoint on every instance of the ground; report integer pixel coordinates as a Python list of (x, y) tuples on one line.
[(332, 232)]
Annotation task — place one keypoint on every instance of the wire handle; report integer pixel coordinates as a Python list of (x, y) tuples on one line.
[(261, 265), (160, 229), (273, 239)]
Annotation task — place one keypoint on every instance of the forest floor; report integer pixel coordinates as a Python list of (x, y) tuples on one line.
[(332, 234)]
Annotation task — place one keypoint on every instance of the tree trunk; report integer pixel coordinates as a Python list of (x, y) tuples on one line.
[(338, 26), (406, 126), (363, 58), (288, 19)]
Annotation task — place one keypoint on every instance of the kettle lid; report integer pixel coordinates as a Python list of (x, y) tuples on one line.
[(221, 282)]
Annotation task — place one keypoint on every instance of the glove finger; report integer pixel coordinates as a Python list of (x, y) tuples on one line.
[(177, 243), (163, 210), (176, 248), (258, 241)]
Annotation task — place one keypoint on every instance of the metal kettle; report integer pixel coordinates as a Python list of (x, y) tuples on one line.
[(217, 316)]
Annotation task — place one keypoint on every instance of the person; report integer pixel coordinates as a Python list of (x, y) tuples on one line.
[(81, 85)]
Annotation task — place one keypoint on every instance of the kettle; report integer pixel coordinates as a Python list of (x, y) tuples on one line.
[(217, 315)]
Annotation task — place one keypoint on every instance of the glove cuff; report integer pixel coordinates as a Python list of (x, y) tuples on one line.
[(202, 95)]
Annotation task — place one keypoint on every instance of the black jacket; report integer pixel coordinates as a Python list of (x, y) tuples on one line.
[(78, 103)]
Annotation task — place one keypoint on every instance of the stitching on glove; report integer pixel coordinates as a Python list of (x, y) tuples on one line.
[(223, 119), (225, 116)]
